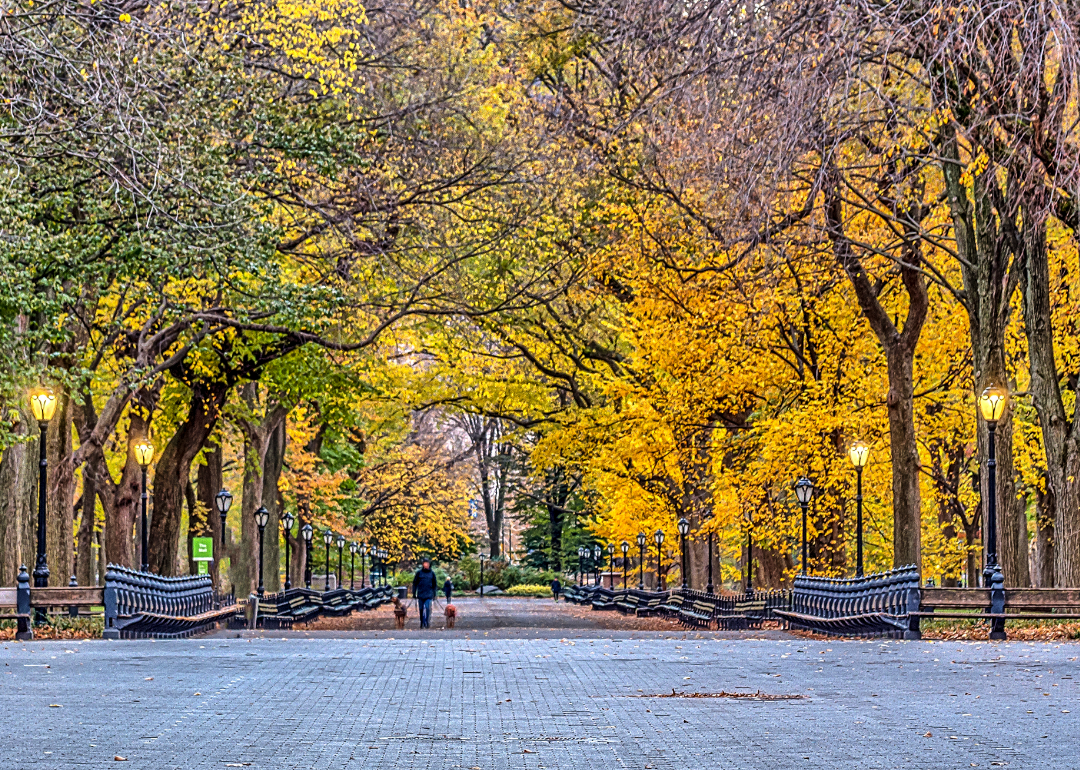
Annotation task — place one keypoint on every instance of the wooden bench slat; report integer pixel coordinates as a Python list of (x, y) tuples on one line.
[(88, 596)]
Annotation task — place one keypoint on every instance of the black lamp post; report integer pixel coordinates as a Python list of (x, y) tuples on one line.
[(363, 554), (580, 556), (641, 538), (992, 404), (597, 553), (658, 536), (222, 501), (859, 452), (611, 562), (144, 455), (804, 490), (328, 538), (481, 576), (43, 404), (340, 550), (684, 531), (352, 565), (287, 520), (306, 532), (262, 518), (625, 548)]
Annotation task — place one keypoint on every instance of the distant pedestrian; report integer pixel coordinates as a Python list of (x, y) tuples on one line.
[(424, 591), (448, 589), (556, 588)]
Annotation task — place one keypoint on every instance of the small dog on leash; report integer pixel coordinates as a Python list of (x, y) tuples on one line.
[(451, 615), (400, 613)]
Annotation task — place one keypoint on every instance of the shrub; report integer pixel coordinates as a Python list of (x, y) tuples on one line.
[(527, 589)]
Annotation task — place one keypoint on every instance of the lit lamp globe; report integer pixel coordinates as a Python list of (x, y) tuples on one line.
[(144, 453), (992, 403), (859, 454), (42, 404)]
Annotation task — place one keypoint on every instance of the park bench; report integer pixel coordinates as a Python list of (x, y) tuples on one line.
[(874, 605), (604, 599), (699, 613), (996, 604), (139, 605), (746, 611), (673, 604), (627, 603), (649, 604)]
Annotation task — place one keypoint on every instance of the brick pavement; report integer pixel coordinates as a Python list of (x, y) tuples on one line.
[(439, 703)]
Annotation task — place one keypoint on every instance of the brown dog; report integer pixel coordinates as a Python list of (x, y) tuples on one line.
[(400, 613), (451, 615)]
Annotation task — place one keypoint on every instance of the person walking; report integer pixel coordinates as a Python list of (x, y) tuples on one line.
[(556, 587), (448, 589), (424, 589)]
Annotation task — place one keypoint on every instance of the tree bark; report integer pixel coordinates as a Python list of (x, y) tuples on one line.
[(18, 508), (208, 483), (84, 553), (899, 347), (60, 494), (1060, 440), (173, 470)]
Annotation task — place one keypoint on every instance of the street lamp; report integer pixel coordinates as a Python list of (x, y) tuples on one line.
[(684, 530), (658, 536), (222, 501), (611, 562), (353, 547), (306, 532), (596, 552), (144, 455), (262, 518), (482, 575), (804, 490), (363, 554), (43, 405), (340, 547), (328, 538), (859, 452), (287, 520), (625, 548), (580, 556), (992, 405), (641, 538)]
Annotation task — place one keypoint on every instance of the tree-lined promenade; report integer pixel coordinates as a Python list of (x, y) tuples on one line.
[(529, 279)]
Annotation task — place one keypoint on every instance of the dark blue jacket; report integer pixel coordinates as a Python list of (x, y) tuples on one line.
[(423, 584)]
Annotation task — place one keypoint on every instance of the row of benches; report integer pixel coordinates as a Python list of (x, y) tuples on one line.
[(300, 605), (692, 608)]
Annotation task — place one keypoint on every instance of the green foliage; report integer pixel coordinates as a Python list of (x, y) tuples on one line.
[(528, 589)]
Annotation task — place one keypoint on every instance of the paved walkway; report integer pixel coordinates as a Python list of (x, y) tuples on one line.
[(439, 703)]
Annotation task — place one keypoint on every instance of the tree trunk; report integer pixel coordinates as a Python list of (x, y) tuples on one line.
[(1060, 440), (1042, 554), (18, 507), (84, 554), (208, 484), (60, 495), (899, 347), (173, 470), (264, 443)]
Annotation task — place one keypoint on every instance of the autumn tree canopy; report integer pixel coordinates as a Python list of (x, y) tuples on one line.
[(452, 276)]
